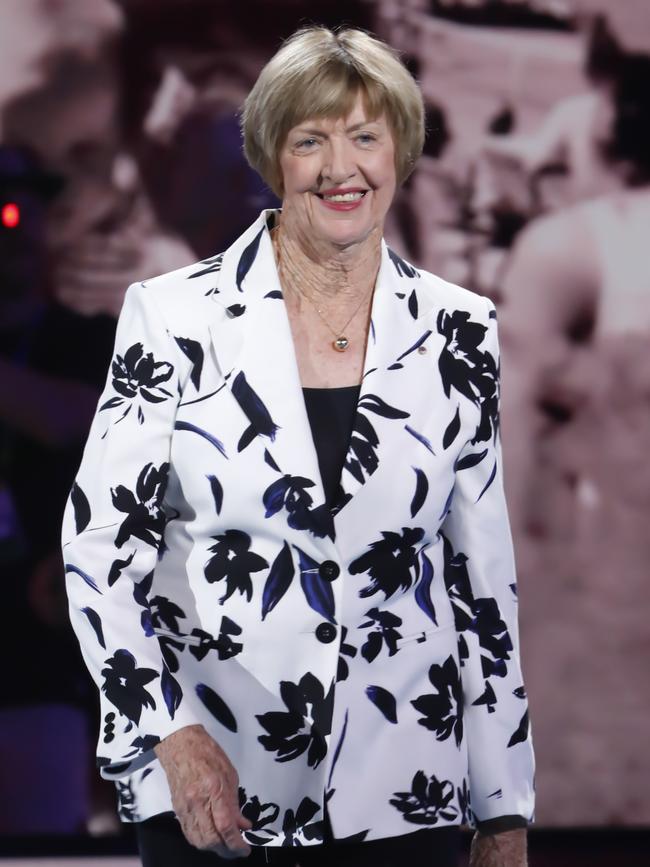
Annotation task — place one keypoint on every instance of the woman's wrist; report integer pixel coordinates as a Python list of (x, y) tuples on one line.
[(173, 738), (506, 849)]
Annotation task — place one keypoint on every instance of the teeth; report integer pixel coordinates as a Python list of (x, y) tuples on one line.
[(344, 197)]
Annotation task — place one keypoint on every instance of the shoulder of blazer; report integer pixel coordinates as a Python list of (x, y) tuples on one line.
[(435, 294), (452, 296), (183, 296)]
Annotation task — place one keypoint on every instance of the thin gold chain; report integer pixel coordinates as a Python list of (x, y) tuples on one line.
[(337, 334), (341, 331)]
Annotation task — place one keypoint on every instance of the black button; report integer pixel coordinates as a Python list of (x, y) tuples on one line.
[(325, 632), (329, 570)]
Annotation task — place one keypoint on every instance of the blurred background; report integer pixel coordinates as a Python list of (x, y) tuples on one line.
[(120, 158)]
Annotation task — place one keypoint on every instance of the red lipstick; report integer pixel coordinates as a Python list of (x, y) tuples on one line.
[(343, 205)]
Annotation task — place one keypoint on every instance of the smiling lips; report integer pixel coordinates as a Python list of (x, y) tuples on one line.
[(342, 199)]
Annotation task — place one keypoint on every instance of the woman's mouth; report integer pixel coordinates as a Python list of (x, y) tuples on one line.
[(342, 200), (344, 197)]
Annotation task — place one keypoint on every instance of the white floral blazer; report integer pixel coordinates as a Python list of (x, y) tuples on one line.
[(364, 656)]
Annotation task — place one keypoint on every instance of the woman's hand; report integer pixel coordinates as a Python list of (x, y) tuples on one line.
[(204, 789), (507, 849)]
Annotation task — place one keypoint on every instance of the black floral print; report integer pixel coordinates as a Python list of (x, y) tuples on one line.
[(421, 491), (290, 493), (172, 691), (124, 685), (145, 518), (141, 590), (428, 801), (233, 562), (166, 614), (487, 698), (384, 700), (278, 580), (117, 567), (261, 423), (126, 801), (480, 616), (471, 371), (361, 459), (96, 624), (347, 649), (247, 258), (217, 706), (401, 266), (194, 352), (521, 733), (142, 744), (81, 508), (137, 374), (458, 584), (318, 591), (443, 710), (260, 815), (213, 266), (225, 645), (460, 360), (384, 632), (493, 636), (465, 804), (304, 725), (295, 826), (391, 563)]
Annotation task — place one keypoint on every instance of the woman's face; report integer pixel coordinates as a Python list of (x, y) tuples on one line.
[(339, 176)]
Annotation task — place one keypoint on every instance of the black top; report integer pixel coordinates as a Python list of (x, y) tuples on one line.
[(331, 414)]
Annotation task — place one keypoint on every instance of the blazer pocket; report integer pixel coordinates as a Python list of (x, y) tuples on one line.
[(428, 636), (203, 640), (181, 637)]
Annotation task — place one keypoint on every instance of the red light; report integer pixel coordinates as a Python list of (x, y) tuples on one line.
[(10, 216)]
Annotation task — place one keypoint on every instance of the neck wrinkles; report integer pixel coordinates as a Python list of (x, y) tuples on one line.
[(324, 270)]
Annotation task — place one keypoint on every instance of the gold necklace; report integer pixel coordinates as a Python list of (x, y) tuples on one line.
[(340, 342)]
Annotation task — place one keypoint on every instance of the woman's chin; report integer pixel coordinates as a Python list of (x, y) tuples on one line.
[(343, 233)]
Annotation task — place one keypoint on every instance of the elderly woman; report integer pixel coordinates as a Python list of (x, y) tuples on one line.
[(288, 549)]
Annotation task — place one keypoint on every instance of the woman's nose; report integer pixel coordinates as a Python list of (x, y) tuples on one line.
[(339, 164)]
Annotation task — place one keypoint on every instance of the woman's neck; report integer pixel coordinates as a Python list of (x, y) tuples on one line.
[(322, 270)]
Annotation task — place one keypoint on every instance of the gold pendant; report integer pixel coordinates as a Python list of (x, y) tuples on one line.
[(341, 343)]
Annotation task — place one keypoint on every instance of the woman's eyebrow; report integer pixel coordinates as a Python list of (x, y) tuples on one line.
[(356, 126), (305, 130)]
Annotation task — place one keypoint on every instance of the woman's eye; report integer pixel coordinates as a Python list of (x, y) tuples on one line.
[(366, 138), (306, 143)]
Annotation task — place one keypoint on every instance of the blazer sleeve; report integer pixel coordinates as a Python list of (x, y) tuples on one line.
[(481, 581), (112, 537)]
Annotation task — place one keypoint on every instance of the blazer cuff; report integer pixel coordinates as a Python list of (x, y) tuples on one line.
[(501, 824)]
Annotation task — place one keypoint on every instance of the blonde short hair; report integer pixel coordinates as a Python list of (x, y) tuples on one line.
[(317, 73)]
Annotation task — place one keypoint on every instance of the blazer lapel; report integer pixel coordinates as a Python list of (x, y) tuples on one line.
[(400, 330), (254, 348)]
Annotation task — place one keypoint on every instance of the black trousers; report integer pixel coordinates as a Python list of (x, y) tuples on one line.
[(162, 844)]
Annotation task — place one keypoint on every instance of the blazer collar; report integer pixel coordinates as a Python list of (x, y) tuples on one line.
[(255, 353)]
